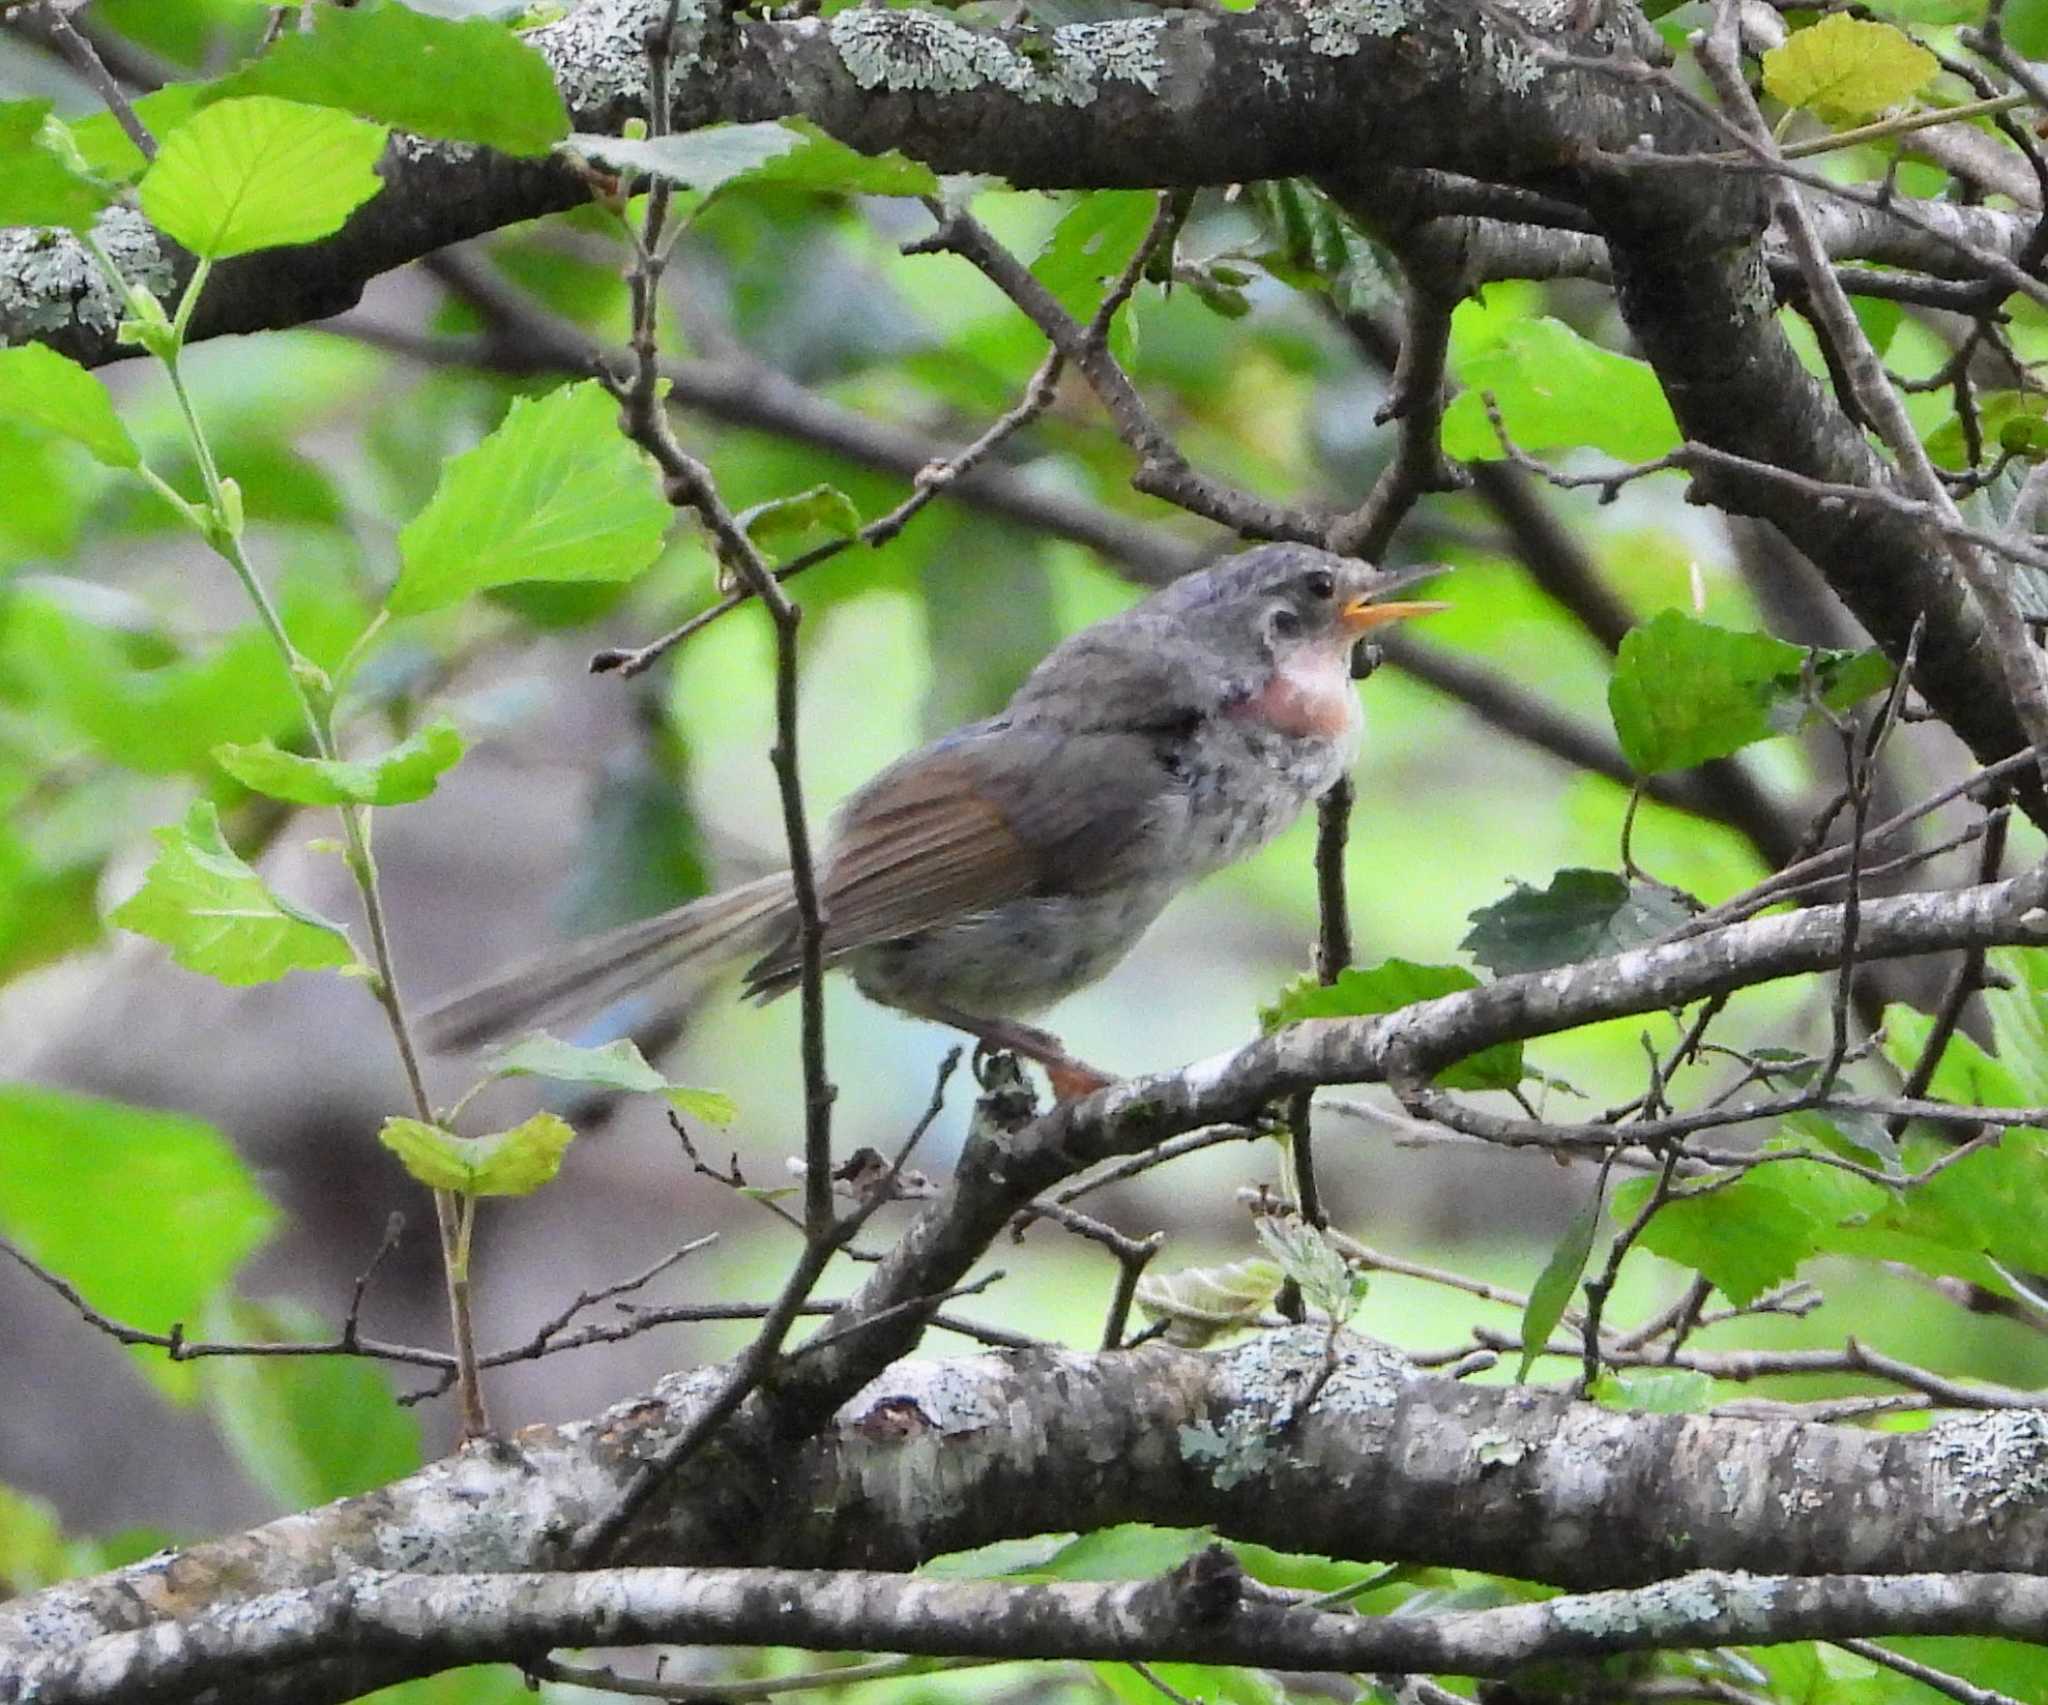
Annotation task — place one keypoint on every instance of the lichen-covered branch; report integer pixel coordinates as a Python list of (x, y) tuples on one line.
[(1204, 1612), (1385, 1462)]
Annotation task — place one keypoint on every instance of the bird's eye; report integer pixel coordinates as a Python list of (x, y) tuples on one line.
[(1283, 623), (1321, 583)]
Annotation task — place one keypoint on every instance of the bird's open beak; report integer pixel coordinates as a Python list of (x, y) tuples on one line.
[(1370, 609)]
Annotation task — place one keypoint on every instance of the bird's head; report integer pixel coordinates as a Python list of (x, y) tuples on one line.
[(1287, 601)]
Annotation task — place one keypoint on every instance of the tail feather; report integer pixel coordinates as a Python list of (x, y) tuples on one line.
[(585, 976)]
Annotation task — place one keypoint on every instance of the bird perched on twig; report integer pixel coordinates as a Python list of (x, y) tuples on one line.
[(1005, 865)]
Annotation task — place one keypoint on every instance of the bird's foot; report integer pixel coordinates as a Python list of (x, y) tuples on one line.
[(1071, 1080), (994, 1038)]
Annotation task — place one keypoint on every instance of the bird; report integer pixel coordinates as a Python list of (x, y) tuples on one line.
[(977, 881)]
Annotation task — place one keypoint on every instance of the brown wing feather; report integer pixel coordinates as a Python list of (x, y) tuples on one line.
[(920, 844)]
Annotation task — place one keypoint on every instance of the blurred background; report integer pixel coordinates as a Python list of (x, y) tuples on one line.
[(812, 352)]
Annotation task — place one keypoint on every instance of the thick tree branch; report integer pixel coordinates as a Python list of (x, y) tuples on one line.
[(1385, 1462), (1205, 1612)]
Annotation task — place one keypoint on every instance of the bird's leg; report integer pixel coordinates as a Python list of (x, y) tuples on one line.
[(1070, 1078)]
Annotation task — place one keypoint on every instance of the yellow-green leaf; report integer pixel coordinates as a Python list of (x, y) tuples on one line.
[(505, 1163), (260, 173), (218, 917), (556, 493), (1847, 69), (405, 773)]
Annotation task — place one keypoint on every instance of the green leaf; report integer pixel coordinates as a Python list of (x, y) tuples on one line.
[(1862, 1137), (1994, 1201), (42, 184), (38, 384), (472, 81), (260, 173), (33, 1550), (105, 145), (1581, 915), (556, 493), (218, 917), (1000, 1557), (1213, 1684), (1387, 988), (706, 159), (405, 773), (783, 526), (788, 153), (1749, 1235), (1685, 691), (2019, 1017), (1655, 1391), (1939, 11), (1966, 1075), (826, 164), (712, 1106), (1202, 1304), (1552, 1293), (94, 1187), (1308, 1257), (1314, 247), (60, 648), (505, 1163), (1089, 248), (1130, 1551), (617, 1065), (2026, 27), (307, 1429), (1847, 69), (1555, 389), (1880, 319), (2015, 421)]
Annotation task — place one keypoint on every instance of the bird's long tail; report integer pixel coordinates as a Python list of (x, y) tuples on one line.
[(697, 940)]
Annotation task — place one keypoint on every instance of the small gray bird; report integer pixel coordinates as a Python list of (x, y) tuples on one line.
[(1005, 865)]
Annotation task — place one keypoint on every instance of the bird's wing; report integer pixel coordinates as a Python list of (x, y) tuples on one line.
[(981, 818)]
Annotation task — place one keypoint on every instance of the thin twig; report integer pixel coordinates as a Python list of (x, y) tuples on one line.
[(930, 481), (687, 482), (1162, 470), (1968, 1692), (85, 60)]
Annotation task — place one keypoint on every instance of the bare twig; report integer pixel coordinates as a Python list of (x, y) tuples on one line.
[(687, 483), (932, 479), (1967, 1692), (85, 60), (1162, 470)]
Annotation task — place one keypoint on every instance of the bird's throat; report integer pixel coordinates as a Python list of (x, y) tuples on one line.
[(1310, 696)]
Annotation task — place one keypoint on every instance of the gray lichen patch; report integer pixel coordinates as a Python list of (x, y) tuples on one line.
[(598, 52), (1338, 28), (1996, 1459), (1276, 1369), (913, 51), (1514, 67), (1757, 297), (48, 283), (950, 1396), (1671, 1608), (1549, 16), (1239, 1450)]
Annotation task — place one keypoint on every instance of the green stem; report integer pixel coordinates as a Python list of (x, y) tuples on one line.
[(315, 695), (1906, 122)]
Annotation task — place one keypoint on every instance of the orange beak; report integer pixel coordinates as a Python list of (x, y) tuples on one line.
[(1362, 614), (1370, 608)]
